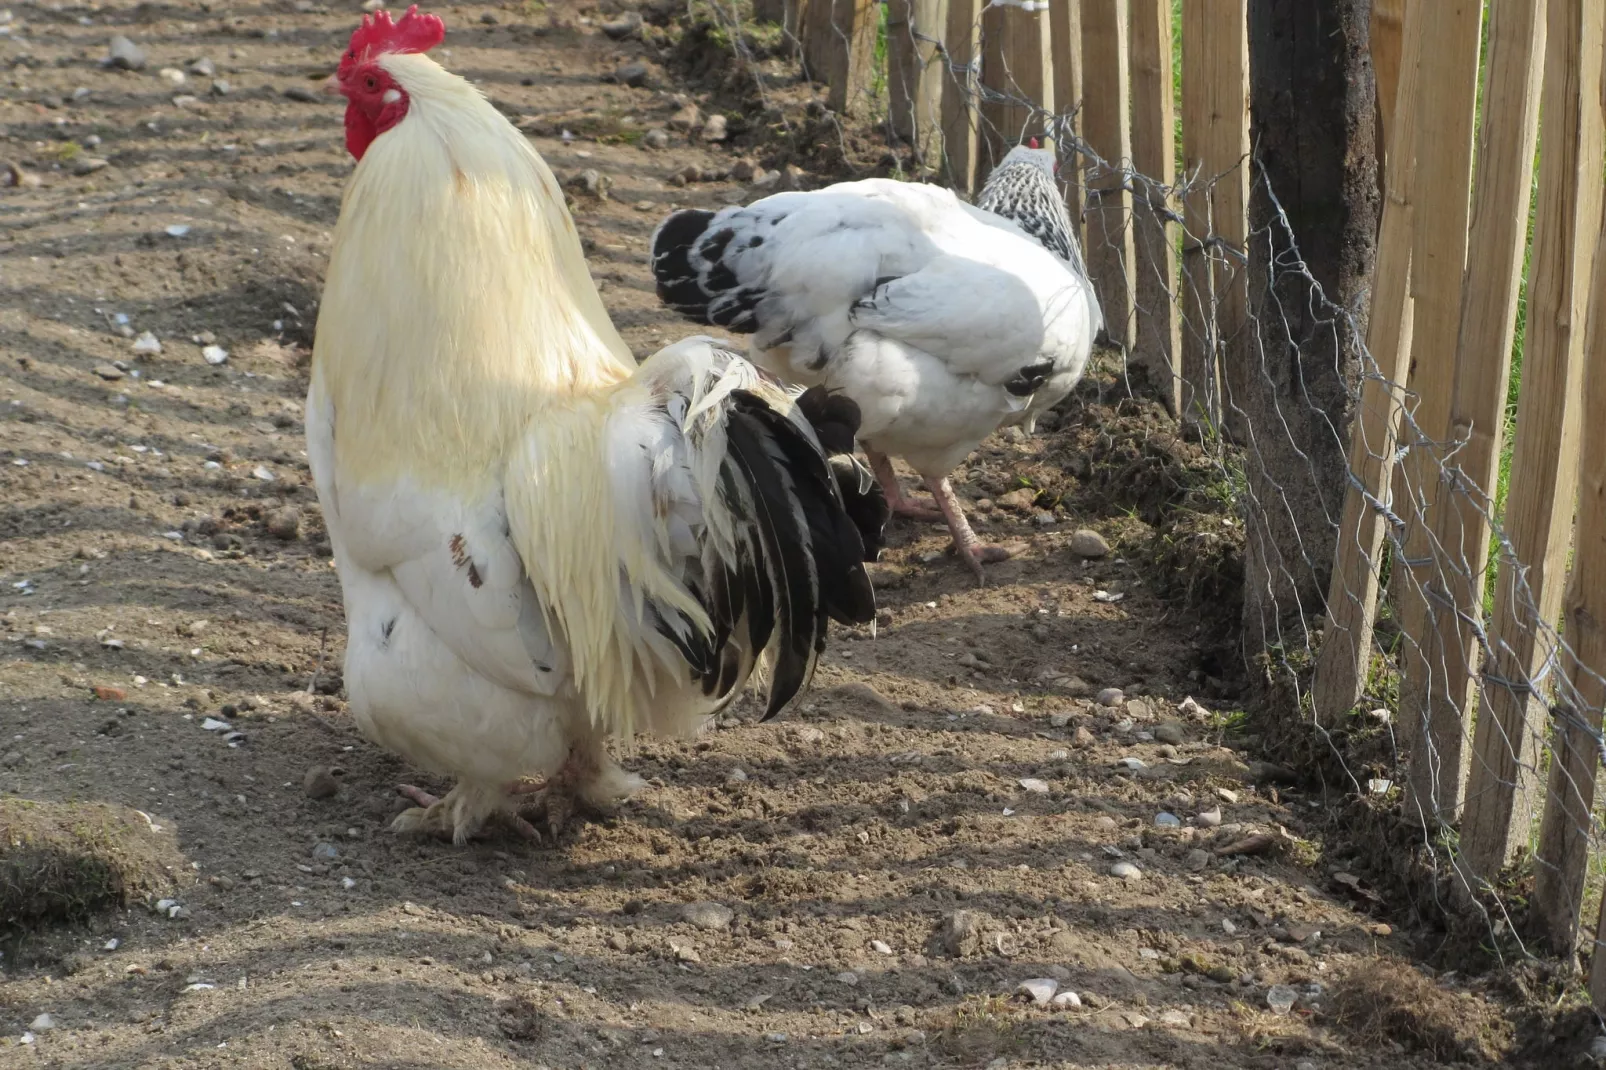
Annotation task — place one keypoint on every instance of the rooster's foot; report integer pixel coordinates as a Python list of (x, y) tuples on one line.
[(433, 815)]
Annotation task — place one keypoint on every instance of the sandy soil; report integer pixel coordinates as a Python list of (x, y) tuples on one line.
[(935, 825)]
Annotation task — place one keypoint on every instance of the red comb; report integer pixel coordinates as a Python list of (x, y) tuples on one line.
[(414, 33), (1031, 143)]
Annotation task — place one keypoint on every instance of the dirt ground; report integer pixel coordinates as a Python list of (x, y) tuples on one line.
[(865, 882)]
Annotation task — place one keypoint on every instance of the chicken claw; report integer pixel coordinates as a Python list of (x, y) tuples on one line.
[(433, 814), (970, 549)]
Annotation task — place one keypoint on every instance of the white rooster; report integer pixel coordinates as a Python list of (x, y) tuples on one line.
[(942, 320), (541, 546)]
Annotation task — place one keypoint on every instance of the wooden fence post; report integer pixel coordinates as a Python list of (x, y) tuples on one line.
[(1015, 65), (1574, 767), (1346, 652), (1154, 156), (959, 95), (1065, 57), (1106, 92), (1503, 753), (1215, 148), (1545, 465), (915, 75), (1447, 94), (839, 50)]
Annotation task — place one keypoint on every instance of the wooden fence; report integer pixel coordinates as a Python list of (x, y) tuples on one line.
[(1479, 692)]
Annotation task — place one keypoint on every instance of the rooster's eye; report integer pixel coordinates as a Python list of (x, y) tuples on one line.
[(370, 83)]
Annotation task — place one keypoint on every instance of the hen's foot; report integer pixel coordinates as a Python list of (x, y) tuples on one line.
[(971, 550), (913, 507)]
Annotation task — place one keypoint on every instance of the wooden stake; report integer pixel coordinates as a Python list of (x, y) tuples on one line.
[(1447, 94), (1106, 89), (1215, 147), (1154, 155), (1495, 819), (959, 90), (915, 74), (1065, 51), (839, 50), (1545, 463), (1015, 65)]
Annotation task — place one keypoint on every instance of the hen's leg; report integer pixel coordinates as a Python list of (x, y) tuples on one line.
[(914, 508), (972, 550)]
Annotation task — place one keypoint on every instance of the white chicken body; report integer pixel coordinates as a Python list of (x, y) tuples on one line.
[(929, 354), (542, 547), (942, 321)]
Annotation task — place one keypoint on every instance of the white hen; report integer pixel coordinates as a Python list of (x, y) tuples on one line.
[(943, 321)]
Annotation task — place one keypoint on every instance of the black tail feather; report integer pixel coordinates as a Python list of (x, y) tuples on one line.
[(678, 284)]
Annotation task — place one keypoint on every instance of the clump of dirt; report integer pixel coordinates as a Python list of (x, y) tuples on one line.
[(62, 862), (1133, 456), (1391, 1001)]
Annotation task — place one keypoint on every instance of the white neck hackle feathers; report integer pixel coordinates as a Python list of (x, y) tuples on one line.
[(463, 344), (457, 290)]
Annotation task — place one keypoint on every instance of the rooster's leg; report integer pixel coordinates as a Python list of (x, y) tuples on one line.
[(914, 508), (588, 780), (974, 552)]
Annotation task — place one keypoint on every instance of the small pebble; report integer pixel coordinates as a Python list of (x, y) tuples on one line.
[(1039, 989), (880, 947), (1035, 786), (1208, 819), (655, 138), (1281, 999), (146, 345), (171, 75), (325, 852), (1111, 697), (320, 783), (1169, 821), (1067, 999), (1089, 543), (108, 372), (215, 355), (124, 54), (715, 128), (42, 1024), (1169, 732), (709, 916), (1126, 871), (285, 523)]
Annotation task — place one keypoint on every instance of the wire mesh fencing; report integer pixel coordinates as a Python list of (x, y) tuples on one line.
[(1419, 468)]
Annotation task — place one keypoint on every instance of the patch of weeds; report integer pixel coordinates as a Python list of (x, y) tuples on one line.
[(981, 1031), (1391, 1001)]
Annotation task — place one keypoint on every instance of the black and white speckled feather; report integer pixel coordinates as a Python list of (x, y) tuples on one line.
[(1023, 189)]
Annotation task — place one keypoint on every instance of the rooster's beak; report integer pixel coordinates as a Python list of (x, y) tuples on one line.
[(331, 85)]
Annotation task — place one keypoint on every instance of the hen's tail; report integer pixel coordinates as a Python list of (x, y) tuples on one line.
[(694, 280)]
